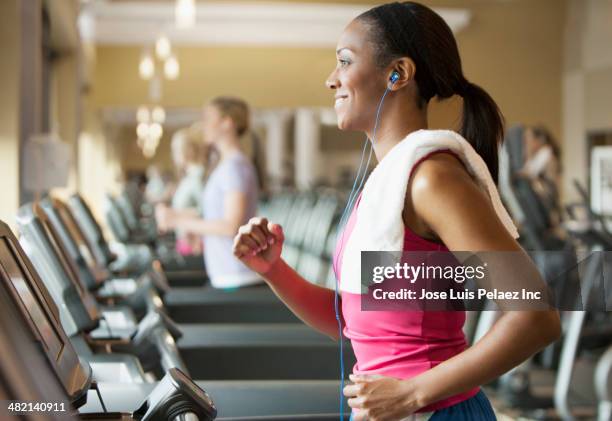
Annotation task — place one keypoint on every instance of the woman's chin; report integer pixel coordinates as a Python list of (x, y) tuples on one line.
[(343, 123)]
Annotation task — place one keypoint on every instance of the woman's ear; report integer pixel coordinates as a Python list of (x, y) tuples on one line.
[(406, 70)]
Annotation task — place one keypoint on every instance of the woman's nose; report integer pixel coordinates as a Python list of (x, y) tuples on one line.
[(332, 82)]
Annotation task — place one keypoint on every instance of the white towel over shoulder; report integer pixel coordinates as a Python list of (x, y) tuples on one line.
[(379, 225)]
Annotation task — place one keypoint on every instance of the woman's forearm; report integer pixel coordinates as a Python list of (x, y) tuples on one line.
[(194, 224), (313, 304), (515, 337), (185, 213)]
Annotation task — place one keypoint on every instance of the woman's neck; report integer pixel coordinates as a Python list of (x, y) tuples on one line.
[(227, 146), (394, 125)]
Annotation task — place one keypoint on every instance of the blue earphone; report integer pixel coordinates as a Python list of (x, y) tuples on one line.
[(394, 77)]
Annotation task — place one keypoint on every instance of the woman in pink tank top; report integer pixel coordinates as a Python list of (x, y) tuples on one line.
[(411, 362)]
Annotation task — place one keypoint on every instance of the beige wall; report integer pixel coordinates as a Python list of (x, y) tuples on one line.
[(98, 160), (266, 77), (511, 48), (514, 49), (9, 106)]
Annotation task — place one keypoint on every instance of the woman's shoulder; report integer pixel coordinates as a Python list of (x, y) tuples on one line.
[(439, 173), (235, 170), (240, 163)]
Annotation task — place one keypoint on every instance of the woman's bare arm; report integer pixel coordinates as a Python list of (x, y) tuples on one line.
[(313, 304), (258, 245), (448, 201)]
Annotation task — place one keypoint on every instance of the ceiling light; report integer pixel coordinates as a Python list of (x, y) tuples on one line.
[(171, 68), (162, 47), (142, 115), (185, 13), (148, 152), (156, 131), (143, 130), (158, 115), (153, 142), (146, 67)]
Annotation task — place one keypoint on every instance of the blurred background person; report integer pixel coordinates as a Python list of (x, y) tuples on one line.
[(229, 198), (135, 187), (188, 156), (159, 187), (542, 167)]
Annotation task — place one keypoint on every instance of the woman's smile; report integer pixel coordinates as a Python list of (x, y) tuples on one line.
[(340, 100)]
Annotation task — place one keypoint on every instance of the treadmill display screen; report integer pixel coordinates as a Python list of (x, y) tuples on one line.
[(13, 269), (60, 253), (70, 223)]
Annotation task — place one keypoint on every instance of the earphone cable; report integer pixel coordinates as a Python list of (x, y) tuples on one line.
[(342, 227)]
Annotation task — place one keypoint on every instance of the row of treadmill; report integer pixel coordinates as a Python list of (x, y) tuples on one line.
[(121, 330), (568, 380), (100, 331)]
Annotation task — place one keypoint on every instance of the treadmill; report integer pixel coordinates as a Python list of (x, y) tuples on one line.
[(97, 276), (27, 310), (152, 339), (128, 228), (253, 351), (267, 400), (142, 293), (255, 304), (25, 374), (308, 220)]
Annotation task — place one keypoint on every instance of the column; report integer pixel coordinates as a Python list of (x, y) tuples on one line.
[(307, 154), (276, 123)]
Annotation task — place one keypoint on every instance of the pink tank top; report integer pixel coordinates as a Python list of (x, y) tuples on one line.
[(401, 344)]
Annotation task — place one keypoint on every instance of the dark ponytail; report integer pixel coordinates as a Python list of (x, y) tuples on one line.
[(409, 29), (482, 124)]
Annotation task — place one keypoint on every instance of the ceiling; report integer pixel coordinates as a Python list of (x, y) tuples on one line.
[(244, 23), (254, 1)]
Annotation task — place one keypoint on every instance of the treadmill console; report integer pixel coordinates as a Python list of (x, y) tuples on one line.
[(79, 312), (25, 374), (65, 214), (70, 245), (42, 315), (176, 395), (91, 229)]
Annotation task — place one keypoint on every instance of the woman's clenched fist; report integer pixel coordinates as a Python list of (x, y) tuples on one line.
[(258, 244)]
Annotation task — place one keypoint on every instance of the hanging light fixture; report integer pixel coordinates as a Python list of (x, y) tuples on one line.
[(185, 13), (171, 68), (149, 146), (156, 131), (143, 130), (153, 142), (158, 115), (162, 47), (148, 151), (149, 130), (146, 67), (142, 114)]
